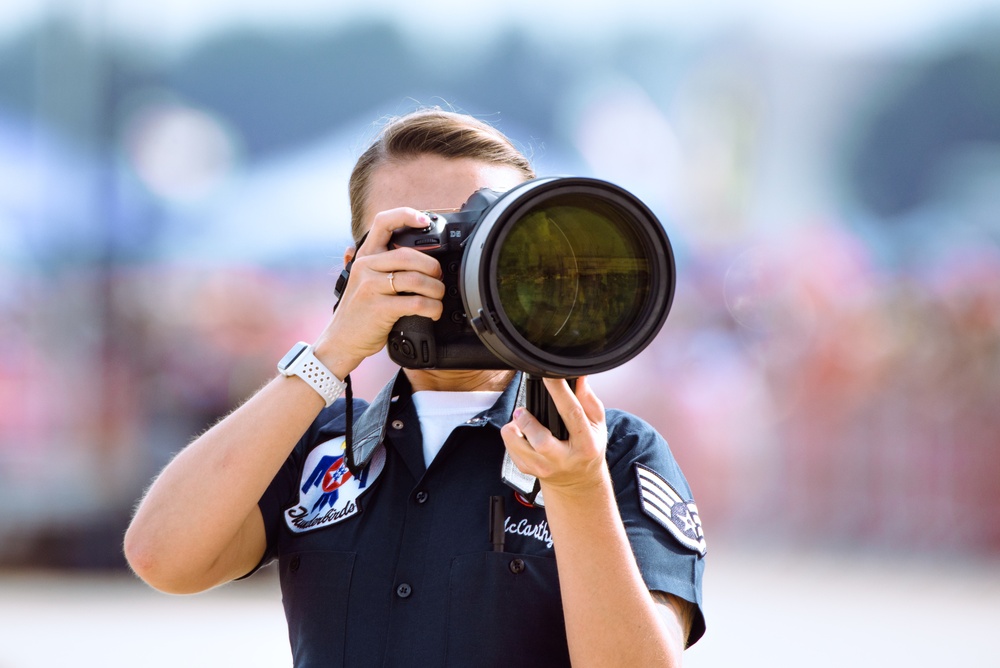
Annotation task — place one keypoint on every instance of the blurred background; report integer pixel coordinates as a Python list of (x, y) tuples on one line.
[(173, 215)]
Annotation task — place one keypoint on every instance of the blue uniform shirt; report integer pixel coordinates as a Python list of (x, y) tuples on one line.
[(395, 566)]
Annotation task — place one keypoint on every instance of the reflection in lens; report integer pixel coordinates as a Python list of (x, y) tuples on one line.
[(573, 277)]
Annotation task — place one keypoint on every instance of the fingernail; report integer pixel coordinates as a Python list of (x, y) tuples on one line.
[(518, 412)]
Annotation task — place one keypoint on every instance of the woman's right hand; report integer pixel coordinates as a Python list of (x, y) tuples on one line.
[(371, 303)]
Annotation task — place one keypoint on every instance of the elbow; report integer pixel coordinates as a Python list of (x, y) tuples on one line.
[(144, 559), (151, 562)]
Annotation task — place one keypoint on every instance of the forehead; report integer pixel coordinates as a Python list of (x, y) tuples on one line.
[(432, 182)]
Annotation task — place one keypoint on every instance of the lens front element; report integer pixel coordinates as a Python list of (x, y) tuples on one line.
[(572, 276)]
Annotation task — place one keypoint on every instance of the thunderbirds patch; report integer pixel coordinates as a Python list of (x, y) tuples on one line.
[(328, 491), (662, 502)]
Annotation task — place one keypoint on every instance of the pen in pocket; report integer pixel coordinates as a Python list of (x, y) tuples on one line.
[(497, 518)]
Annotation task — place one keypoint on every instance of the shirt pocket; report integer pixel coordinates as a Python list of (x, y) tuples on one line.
[(314, 591), (504, 609)]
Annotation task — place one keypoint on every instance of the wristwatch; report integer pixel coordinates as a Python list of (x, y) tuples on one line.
[(300, 361)]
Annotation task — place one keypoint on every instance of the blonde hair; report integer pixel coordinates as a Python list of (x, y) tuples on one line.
[(435, 132)]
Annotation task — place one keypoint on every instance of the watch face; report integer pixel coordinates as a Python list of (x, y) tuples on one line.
[(292, 355)]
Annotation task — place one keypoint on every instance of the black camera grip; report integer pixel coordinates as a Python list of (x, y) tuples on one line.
[(539, 403), (411, 342)]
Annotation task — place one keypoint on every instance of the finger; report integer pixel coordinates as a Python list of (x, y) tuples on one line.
[(416, 305), (385, 223), (413, 282), (592, 405), (537, 435), (400, 260), (513, 436), (520, 450), (370, 296)]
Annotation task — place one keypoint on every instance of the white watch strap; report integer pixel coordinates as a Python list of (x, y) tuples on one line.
[(314, 372)]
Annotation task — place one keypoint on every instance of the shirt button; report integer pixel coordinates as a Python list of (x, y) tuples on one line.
[(404, 590), (421, 497), (516, 566), (397, 424), (293, 565)]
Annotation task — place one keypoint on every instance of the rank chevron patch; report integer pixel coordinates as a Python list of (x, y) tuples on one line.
[(662, 502)]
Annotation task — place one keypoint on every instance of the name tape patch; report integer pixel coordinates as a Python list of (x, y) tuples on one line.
[(662, 502)]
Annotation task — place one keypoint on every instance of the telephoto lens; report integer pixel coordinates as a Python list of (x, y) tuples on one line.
[(567, 276)]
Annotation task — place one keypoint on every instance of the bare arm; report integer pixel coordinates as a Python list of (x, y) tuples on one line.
[(676, 615), (611, 617), (199, 525)]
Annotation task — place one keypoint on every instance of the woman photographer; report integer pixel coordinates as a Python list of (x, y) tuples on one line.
[(403, 562)]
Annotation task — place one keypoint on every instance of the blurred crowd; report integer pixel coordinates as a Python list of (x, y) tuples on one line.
[(815, 396), (809, 393)]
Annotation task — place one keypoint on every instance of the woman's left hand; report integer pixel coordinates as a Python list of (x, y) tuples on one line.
[(569, 467)]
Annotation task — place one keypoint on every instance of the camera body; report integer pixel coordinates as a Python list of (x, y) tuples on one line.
[(451, 342)]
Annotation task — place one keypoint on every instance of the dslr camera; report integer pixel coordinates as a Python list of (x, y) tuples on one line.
[(557, 277)]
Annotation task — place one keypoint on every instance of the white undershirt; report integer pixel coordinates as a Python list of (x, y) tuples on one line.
[(441, 412)]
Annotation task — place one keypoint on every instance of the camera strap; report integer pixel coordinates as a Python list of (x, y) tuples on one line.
[(522, 483), (338, 292), (341, 286), (361, 438)]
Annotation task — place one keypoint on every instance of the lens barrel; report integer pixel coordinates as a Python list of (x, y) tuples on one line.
[(567, 276)]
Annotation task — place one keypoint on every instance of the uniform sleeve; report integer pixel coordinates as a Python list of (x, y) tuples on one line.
[(282, 492), (658, 511)]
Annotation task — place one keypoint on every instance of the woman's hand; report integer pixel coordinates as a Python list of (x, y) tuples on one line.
[(372, 303), (568, 467), (611, 618)]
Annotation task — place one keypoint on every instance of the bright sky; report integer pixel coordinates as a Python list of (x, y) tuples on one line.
[(835, 24)]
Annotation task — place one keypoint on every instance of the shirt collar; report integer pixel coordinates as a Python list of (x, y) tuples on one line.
[(369, 428)]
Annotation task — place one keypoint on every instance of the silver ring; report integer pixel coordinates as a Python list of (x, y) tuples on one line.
[(391, 283)]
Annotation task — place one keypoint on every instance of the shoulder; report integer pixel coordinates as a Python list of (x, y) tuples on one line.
[(648, 480), (329, 425), (622, 424), (632, 440), (332, 421)]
